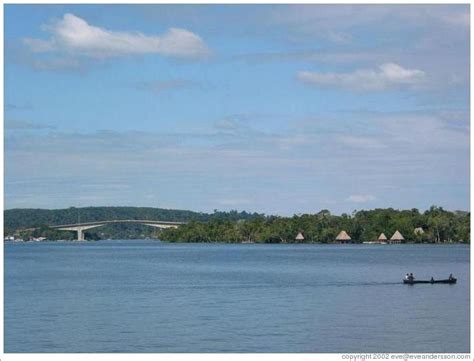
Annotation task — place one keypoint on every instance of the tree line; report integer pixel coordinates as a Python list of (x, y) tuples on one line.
[(438, 225)]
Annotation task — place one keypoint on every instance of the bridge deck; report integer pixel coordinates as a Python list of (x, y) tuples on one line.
[(135, 221)]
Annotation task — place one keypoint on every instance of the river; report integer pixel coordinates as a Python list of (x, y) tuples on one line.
[(149, 296)]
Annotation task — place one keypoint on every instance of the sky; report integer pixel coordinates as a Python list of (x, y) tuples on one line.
[(280, 109)]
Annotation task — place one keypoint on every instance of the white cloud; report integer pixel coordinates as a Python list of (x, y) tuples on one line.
[(73, 35), (387, 76), (361, 198)]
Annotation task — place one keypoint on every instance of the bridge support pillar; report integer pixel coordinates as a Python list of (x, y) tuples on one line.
[(78, 229), (80, 234)]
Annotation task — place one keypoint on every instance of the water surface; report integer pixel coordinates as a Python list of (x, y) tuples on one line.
[(148, 296)]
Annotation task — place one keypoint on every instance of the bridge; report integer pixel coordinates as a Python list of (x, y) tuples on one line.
[(81, 227)]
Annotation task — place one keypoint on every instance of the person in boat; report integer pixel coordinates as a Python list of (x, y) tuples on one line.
[(451, 277), (432, 279), (410, 277), (407, 277)]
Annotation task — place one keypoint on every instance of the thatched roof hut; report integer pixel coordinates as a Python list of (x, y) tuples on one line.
[(300, 237), (397, 237), (382, 238), (343, 237)]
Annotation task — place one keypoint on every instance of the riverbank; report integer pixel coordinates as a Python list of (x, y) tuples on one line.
[(244, 242)]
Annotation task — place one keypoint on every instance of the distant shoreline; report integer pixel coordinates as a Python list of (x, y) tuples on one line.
[(234, 243), (389, 225)]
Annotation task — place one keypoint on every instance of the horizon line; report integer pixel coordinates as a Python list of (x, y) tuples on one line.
[(247, 211)]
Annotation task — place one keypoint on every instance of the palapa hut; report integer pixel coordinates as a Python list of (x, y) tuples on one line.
[(396, 238), (299, 237), (343, 237), (382, 238)]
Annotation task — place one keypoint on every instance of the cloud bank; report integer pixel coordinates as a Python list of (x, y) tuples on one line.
[(414, 159)]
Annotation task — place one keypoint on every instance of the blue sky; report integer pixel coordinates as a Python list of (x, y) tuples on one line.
[(280, 109)]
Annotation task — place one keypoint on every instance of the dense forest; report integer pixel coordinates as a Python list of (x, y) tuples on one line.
[(437, 224)]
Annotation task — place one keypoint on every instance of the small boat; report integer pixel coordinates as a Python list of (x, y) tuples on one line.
[(449, 281)]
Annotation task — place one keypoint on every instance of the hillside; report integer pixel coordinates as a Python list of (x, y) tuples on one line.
[(17, 219)]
